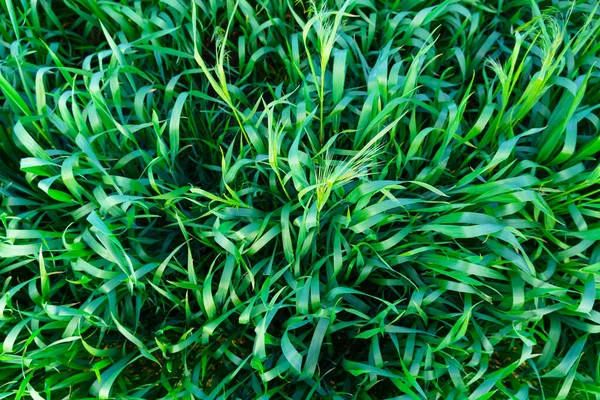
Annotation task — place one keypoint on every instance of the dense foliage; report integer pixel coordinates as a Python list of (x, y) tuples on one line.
[(273, 199)]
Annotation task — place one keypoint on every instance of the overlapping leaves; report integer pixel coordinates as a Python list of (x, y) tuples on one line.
[(219, 199)]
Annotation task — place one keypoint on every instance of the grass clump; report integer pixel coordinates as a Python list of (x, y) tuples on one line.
[(272, 199)]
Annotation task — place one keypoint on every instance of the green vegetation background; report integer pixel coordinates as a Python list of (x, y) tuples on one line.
[(273, 199)]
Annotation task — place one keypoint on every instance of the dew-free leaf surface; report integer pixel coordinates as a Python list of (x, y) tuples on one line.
[(291, 199)]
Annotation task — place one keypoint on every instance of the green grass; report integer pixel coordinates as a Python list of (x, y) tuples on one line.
[(280, 199)]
